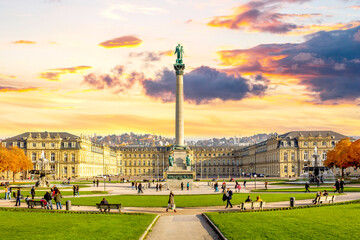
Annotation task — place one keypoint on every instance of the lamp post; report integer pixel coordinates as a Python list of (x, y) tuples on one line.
[(201, 169), (104, 183)]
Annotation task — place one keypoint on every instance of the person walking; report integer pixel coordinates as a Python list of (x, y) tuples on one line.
[(94, 182), (216, 186), (74, 190), (229, 195), (160, 186), (18, 196), (171, 202), (244, 183), (307, 187), (188, 186), (32, 192), (337, 186), (97, 182), (48, 199), (77, 190), (57, 199), (6, 192), (157, 187), (140, 188), (9, 192), (182, 186), (223, 187), (342, 183), (266, 185)]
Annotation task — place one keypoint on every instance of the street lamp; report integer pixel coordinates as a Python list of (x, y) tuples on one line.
[(104, 183)]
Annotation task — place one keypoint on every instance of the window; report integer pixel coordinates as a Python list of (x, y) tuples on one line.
[(143, 170), (148, 171), (52, 167), (73, 144), (305, 144), (139, 163), (21, 144), (214, 162), (153, 171), (144, 163), (292, 156), (52, 145), (293, 169), (223, 170), (285, 169), (324, 143), (43, 145), (33, 156), (333, 143), (66, 144), (315, 144), (306, 155), (139, 170), (149, 163), (324, 155), (65, 169), (34, 166), (73, 170), (285, 156), (34, 144), (65, 157), (223, 162), (52, 157), (73, 157)]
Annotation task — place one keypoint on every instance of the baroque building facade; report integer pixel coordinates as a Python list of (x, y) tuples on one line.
[(72, 156)]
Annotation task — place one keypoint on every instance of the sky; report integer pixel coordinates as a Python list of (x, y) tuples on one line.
[(106, 67)]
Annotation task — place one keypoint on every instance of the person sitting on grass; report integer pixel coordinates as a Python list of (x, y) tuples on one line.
[(248, 199), (325, 193), (258, 199)]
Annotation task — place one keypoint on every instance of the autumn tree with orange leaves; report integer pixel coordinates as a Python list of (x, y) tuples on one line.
[(354, 153), (343, 155), (14, 160)]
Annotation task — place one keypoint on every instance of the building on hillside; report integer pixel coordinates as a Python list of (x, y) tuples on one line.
[(76, 156)]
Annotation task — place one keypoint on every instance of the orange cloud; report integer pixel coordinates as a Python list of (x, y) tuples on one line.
[(124, 41), (55, 73), (13, 89), (355, 7), (7, 76), (309, 29), (24, 42)]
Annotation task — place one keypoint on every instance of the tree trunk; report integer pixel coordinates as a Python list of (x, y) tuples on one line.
[(13, 177), (342, 172)]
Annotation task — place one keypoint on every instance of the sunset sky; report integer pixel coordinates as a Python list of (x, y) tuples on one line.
[(106, 67)]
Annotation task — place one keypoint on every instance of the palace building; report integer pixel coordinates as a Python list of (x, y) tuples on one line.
[(76, 156)]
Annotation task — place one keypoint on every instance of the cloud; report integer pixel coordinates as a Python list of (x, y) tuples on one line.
[(124, 41), (260, 16), (150, 56), (112, 11), (14, 89), (56, 73), (4, 76), (24, 42), (118, 81), (327, 63), (357, 36), (203, 85)]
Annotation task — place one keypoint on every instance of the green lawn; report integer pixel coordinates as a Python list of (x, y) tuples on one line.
[(331, 222), (64, 193), (42, 225), (186, 200), (312, 189)]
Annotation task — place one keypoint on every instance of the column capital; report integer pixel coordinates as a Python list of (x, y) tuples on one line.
[(179, 68)]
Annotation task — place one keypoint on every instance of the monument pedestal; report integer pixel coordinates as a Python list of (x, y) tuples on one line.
[(179, 172)]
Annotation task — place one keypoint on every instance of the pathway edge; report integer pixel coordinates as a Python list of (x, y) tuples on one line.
[(214, 227), (149, 227)]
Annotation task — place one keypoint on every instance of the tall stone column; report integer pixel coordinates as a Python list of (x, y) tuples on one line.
[(179, 122)]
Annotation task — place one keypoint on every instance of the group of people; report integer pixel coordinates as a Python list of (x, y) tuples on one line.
[(339, 186), (53, 194), (320, 194), (76, 191), (96, 182), (187, 186)]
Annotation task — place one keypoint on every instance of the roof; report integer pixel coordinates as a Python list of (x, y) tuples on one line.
[(295, 134), (63, 135)]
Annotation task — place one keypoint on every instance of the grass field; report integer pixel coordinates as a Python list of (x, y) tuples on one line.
[(312, 189), (40, 225), (186, 200), (331, 222)]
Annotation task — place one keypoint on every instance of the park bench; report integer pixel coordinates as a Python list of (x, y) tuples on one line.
[(323, 199), (252, 205), (105, 207), (35, 203)]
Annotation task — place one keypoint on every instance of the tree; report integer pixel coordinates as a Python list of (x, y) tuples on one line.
[(18, 161), (4, 160), (339, 156), (354, 153)]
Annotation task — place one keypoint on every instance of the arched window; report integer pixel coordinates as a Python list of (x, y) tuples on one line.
[(52, 158), (285, 156), (33, 156), (73, 157), (65, 157)]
